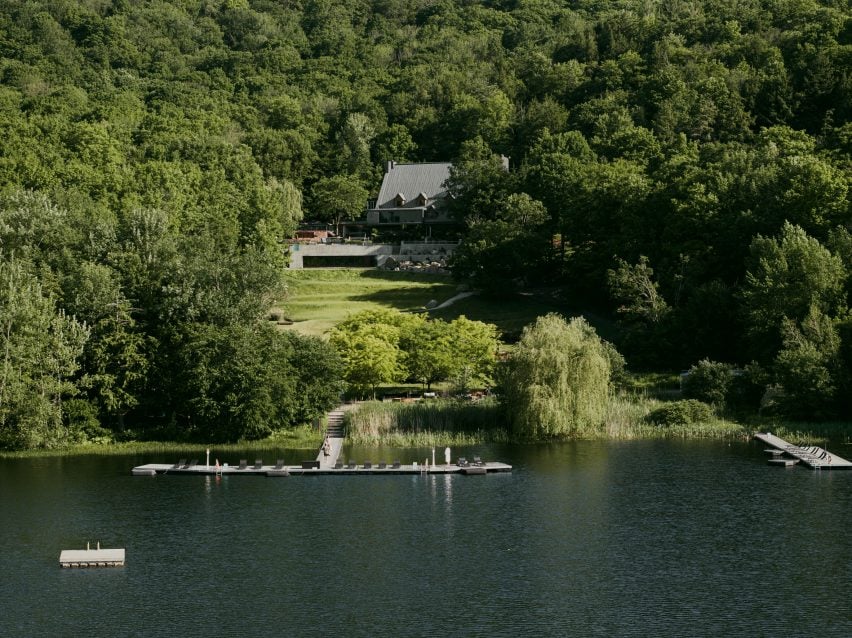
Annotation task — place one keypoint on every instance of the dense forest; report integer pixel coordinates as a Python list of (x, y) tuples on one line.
[(683, 162)]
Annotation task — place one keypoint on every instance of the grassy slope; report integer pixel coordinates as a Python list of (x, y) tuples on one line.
[(320, 298)]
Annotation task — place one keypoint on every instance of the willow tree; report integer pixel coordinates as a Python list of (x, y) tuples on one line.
[(557, 382)]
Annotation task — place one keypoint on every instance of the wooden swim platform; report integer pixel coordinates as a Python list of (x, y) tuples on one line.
[(812, 456), (91, 557), (319, 469)]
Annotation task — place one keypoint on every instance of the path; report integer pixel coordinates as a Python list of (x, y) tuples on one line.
[(452, 300)]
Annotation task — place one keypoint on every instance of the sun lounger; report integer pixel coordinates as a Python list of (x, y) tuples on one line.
[(478, 461), (192, 463), (382, 465), (243, 464), (462, 462), (395, 465), (338, 465), (258, 464), (368, 465), (351, 465), (179, 464), (279, 465)]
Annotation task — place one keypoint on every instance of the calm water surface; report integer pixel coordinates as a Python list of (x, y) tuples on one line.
[(643, 538)]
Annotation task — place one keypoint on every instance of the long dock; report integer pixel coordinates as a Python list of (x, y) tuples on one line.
[(91, 557), (813, 456), (316, 468)]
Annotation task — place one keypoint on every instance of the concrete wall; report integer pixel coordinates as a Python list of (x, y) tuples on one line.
[(408, 251), (299, 251)]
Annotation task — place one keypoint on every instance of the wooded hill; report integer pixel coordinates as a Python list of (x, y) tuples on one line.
[(155, 154)]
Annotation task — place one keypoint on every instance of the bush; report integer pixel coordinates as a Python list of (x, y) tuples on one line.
[(679, 413), (710, 382)]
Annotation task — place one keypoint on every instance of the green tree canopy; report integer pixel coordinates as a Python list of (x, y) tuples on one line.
[(787, 277)]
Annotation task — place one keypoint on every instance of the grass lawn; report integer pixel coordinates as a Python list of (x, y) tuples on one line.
[(320, 298)]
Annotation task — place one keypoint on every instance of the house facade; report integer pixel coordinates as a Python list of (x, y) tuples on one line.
[(411, 194)]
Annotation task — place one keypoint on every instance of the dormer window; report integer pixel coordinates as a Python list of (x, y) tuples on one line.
[(422, 199), (400, 200)]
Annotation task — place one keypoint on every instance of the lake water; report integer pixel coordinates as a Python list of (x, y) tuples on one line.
[(581, 539)]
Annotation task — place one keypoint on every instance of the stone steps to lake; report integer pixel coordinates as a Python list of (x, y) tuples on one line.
[(814, 457)]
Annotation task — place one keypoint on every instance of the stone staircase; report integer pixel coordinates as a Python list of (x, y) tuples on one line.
[(334, 427)]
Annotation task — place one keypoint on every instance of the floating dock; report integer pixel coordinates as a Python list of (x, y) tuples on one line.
[(813, 456), (311, 468), (92, 557)]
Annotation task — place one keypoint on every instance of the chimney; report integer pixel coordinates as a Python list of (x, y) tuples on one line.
[(389, 166)]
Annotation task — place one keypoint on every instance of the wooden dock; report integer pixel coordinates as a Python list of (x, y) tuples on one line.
[(813, 456), (92, 557), (313, 468)]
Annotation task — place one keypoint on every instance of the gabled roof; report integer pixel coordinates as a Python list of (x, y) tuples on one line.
[(410, 180)]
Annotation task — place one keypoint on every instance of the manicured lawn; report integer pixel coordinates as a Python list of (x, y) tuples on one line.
[(320, 298)]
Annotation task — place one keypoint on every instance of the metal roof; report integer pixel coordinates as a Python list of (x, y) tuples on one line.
[(410, 180)]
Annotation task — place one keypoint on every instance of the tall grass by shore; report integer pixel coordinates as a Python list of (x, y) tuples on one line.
[(423, 424), (458, 423), (301, 438), (461, 423)]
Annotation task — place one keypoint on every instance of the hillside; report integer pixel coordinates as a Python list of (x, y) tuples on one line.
[(684, 163)]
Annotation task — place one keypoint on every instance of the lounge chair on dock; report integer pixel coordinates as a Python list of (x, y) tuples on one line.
[(368, 465), (382, 465), (192, 463), (179, 464), (395, 465), (243, 464), (338, 465), (279, 465), (258, 464), (462, 462), (351, 465), (478, 461)]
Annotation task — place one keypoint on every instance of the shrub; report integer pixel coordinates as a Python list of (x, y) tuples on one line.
[(679, 413), (710, 382)]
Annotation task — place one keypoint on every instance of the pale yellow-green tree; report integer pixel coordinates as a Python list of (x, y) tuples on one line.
[(557, 383)]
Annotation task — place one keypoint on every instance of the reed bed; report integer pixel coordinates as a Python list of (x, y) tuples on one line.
[(429, 423), (625, 420), (460, 423)]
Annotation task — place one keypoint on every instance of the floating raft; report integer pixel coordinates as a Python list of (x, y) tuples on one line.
[(311, 469), (92, 558), (814, 457)]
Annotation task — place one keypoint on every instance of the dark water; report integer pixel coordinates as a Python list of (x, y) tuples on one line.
[(644, 539)]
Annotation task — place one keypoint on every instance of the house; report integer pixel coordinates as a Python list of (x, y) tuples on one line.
[(410, 195)]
